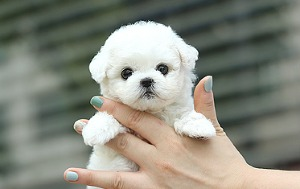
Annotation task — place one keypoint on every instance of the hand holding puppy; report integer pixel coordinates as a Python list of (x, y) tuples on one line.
[(193, 164), (168, 160)]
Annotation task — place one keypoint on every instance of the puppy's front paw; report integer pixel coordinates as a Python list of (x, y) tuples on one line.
[(101, 128), (195, 125)]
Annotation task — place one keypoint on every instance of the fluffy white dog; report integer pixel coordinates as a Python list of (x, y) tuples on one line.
[(147, 66)]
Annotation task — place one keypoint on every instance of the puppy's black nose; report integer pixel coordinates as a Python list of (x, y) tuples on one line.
[(147, 82)]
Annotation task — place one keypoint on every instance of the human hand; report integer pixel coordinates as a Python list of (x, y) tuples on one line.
[(168, 160)]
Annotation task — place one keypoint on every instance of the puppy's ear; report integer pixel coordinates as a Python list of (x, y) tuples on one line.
[(187, 53), (98, 67)]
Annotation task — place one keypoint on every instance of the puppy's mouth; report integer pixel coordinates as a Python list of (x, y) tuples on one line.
[(148, 94)]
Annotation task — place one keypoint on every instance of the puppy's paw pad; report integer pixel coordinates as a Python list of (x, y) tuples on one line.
[(195, 125), (101, 128)]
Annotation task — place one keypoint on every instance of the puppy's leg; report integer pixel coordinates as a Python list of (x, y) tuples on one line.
[(194, 125), (101, 128), (104, 158)]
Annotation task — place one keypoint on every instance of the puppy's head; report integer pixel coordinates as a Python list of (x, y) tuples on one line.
[(145, 65)]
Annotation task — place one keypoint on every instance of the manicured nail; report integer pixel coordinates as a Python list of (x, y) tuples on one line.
[(78, 125), (208, 84), (71, 176), (96, 101)]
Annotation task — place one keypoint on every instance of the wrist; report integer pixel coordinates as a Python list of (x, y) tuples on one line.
[(242, 177), (270, 178), (251, 178)]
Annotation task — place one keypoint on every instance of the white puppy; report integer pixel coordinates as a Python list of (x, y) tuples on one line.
[(147, 66)]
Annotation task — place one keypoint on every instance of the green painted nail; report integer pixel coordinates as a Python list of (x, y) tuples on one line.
[(208, 84), (96, 101), (71, 176)]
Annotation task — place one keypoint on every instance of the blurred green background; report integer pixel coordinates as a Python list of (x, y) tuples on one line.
[(250, 47)]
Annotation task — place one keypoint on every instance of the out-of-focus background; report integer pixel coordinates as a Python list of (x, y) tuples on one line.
[(251, 48)]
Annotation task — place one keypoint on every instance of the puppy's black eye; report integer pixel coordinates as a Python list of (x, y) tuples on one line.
[(126, 73), (162, 68)]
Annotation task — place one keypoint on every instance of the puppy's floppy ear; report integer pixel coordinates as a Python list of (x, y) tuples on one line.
[(98, 67), (187, 53)]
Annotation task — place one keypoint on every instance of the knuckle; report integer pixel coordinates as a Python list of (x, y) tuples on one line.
[(134, 119), (117, 182), (209, 104), (159, 122), (112, 108), (219, 130), (122, 142), (90, 181), (176, 147), (166, 167)]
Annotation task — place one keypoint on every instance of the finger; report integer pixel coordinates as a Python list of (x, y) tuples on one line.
[(148, 126), (105, 179), (204, 101), (79, 125), (132, 147)]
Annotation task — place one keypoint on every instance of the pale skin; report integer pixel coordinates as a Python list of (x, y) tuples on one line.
[(172, 161)]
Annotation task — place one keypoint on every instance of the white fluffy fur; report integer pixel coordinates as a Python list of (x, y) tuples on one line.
[(142, 46)]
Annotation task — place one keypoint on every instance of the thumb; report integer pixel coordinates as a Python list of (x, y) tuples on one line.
[(204, 102)]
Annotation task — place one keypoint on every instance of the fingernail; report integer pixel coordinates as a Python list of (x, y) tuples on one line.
[(71, 176), (96, 101), (208, 84), (78, 125)]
